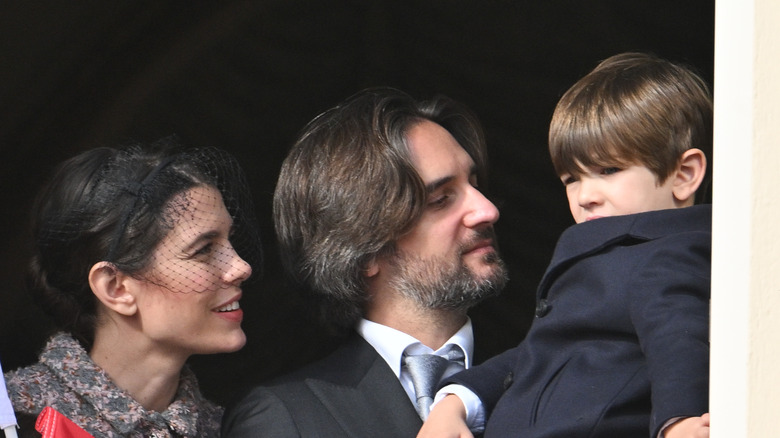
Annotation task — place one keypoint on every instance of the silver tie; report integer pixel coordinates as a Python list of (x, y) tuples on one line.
[(426, 370)]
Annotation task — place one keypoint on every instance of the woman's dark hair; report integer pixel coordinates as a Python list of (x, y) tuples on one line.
[(112, 205)]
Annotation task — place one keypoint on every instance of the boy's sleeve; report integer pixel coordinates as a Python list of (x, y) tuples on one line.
[(475, 413), (488, 380), (670, 311)]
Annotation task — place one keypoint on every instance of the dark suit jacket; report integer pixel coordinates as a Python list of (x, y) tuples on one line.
[(620, 343), (351, 393)]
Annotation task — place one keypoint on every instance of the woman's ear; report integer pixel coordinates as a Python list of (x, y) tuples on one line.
[(688, 176), (113, 288)]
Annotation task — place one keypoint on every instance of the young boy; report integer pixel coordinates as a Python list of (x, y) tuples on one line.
[(619, 346)]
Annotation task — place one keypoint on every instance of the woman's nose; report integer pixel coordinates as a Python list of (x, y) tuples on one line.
[(238, 269)]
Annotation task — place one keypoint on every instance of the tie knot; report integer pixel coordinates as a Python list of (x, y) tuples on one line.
[(426, 370), (426, 367)]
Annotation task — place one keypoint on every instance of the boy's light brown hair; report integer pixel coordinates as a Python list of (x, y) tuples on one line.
[(632, 109)]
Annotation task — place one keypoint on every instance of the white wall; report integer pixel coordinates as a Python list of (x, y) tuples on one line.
[(745, 359)]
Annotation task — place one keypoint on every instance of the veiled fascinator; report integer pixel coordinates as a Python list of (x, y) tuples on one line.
[(172, 216)]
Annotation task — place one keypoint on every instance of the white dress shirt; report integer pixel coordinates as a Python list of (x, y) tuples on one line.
[(391, 345)]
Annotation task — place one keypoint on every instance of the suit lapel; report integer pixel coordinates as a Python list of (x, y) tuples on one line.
[(365, 397)]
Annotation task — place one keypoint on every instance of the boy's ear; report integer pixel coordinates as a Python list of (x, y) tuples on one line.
[(113, 288), (688, 176)]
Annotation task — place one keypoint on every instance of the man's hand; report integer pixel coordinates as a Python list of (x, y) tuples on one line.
[(691, 427), (446, 420)]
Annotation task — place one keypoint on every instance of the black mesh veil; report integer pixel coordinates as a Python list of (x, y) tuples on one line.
[(163, 199)]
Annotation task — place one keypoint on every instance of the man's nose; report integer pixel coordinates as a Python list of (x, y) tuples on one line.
[(480, 210)]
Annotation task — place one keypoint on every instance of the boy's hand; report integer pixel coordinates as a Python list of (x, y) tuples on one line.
[(692, 427), (446, 420)]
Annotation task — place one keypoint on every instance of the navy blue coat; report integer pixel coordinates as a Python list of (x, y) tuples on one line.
[(620, 341)]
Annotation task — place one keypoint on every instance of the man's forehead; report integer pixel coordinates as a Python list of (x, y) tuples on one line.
[(436, 154)]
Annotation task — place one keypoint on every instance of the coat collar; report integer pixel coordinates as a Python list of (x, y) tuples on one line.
[(582, 240), (71, 363)]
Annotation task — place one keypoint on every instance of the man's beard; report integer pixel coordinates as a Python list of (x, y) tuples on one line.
[(448, 283)]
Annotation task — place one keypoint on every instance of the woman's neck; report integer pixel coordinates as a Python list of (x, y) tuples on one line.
[(134, 364)]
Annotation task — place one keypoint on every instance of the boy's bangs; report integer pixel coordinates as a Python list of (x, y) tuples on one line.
[(589, 146)]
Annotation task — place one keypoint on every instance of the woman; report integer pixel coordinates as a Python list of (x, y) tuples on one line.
[(137, 261)]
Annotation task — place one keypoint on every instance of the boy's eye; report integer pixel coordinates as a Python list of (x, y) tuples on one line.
[(610, 170), (567, 179)]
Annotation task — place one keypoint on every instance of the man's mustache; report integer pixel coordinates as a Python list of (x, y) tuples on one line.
[(487, 233)]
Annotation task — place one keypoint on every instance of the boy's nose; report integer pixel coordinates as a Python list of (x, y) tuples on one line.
[(588, 193), (480, 210)]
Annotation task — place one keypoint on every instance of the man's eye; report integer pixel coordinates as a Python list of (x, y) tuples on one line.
[(439, 201), (568, 179), (610, 170)]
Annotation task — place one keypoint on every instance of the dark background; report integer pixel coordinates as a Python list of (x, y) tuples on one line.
[(246, 76)]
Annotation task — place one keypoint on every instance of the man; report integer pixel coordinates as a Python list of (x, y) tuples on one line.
[(377, 210)]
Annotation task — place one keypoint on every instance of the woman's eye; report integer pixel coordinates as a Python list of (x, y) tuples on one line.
[(610, 170), (568, 179), (205, 249)]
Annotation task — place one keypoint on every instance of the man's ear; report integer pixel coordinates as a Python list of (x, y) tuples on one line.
[(112, 288), (688, 176), (372, 268)]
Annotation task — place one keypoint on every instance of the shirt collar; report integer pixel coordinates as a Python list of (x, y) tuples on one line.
[(391, 343)]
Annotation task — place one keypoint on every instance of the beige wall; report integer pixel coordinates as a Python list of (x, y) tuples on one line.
[(745, 369)]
